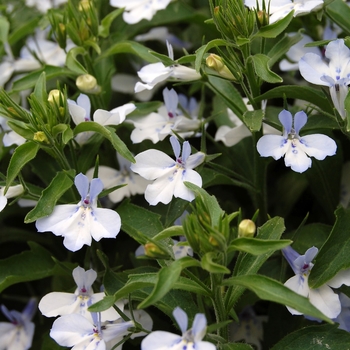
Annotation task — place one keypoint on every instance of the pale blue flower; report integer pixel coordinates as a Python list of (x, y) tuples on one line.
[(79, 223), (60, 303), (335, 74), (189, 340), (323, 298), (18, 333), (295, 148), (169, 174)]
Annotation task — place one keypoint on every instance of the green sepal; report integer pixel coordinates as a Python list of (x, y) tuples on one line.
[(71, 60), (103, 29)]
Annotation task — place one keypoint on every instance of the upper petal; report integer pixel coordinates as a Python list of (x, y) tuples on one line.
[(181, 319)]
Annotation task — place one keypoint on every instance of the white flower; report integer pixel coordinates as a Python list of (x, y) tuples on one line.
[(13, 191), (323, 298), (156, 126), (79, 223), (135, 184), (77, 331), (295, 148), (190, 339), (169, 175), (344, 317), (44, 5), (181, 250), (59, 303), (136, 10), (18, 333), (10, 137), (154, 73), (335, 74), (80, 112), (296, 52)]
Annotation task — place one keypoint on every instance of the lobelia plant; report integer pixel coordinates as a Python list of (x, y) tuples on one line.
[(155, 218)]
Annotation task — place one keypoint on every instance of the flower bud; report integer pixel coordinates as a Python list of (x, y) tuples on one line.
[(55, 96), (246, 228), (84, 5), (153, 251), (40, 137), (88, 84), (215, 62)]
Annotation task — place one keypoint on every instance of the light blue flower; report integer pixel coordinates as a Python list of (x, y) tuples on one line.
[(335, 74), (323, 298), (79, 223), (189, 340), (18, 333), (169, 174), (296, 149)]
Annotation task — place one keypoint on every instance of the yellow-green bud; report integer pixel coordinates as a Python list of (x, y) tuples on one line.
[(55, 96), (215, 62), (88, 84), (40, 137), (246, 228), (84, 5), (154, 251)]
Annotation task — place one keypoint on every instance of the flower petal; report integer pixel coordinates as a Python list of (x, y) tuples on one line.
[(160, 340), (318, 146), (181, 319), (286, 119), (300, 119), (325, 300), (312, 68), (342, 277), (199, 327), (106, 223), (82, 184), (296, 158), (272, 146)]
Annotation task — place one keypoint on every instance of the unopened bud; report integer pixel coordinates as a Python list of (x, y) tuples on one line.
[(263, 18), (88, 84), (246, 228), (84, 5), (215, 62), (154, 251), (40, 137), (55, 96)]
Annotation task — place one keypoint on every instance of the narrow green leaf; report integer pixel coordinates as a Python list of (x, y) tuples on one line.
[(22, 30), (72, 62), (4, 29), (29, 265), (109, 134), (269, 289), (20, 157), (249, 264), (49, 197), (170, 232), (104, 304), (253, 119), (257, 246), (30, 79), (216, 213), (40, 89), (320, 337), (21, 128), (209, 265), (103, 29), (304, 93), (236, 346), (129, 47), (334, 255), (262, 69), (274, 29), (166, 60), (339, 12)]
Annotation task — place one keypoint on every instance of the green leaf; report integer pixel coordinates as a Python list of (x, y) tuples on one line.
[(257, 246), (65, 130), (320, 337), (20, 157), (140, 223), (274, 29), (109, 134), (104, 304), (214, 210), (262, 69), (253, 119), (103, 29), (30, 79), (170, 232), (209, 265), (22, 30), (166, 60), (236, 346), (40, 90), (278, 50), (269, 289), (49, 197), (129, 47), (304, 93), (339, 12), (72, 62), (30, 265), (249, 264), (4, 29), (228, 93), (205, 48), (334, 255), (21, 129)]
